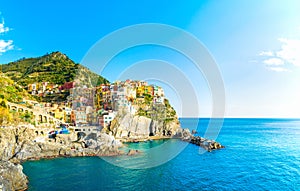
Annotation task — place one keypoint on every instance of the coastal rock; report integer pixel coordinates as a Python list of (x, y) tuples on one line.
[(29, 150), (4, 184), (128, 126), (107, 145), (21, 144), (12, 176), (207, 144), (14, 139), (132, 152), (131, 126), (183, 134)]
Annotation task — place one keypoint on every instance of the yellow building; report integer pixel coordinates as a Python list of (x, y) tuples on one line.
[(33, 87), (148, 90), (140, 91), (59, 113)]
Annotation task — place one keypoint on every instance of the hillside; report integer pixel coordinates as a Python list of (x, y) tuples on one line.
[(11, 91), (54, 68)]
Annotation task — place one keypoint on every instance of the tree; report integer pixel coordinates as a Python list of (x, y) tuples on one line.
[(148, 99), (3, 104), (5, 116)]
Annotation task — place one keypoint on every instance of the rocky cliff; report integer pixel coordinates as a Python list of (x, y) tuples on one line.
[(20, 144), (12, 176), (128, 126)]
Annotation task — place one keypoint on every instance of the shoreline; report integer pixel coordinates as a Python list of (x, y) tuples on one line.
[(20, 145), (138, 140)]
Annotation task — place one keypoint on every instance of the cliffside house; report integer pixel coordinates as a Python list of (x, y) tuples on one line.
[(80, 117), (108, 118), (92, 118)]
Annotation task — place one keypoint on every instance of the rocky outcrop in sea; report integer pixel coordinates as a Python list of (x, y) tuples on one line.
[(207, 144), (130, 128)]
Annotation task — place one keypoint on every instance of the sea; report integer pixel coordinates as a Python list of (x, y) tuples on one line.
[(259, 154)]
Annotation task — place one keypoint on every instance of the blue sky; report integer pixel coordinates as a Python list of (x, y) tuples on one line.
[(255, 44)]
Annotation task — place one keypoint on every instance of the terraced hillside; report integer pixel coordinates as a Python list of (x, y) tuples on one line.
[(54, 68)]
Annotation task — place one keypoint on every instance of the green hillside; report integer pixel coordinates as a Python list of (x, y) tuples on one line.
[(54, 68), (11, 91)]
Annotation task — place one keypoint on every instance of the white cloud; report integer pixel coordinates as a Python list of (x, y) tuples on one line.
[(6, 45), (290, 51), (266, 53), (278, 69), (273, 62), (3, 29), (287, 54)]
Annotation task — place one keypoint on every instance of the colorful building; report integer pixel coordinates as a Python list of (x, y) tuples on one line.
[(67, 86), (108, 118), (158, 91), (59, 113), (68, 112), (140, 91), (158, 94), (148, 90), (73, 116), (81, 117), (92, 118), (131, 92)]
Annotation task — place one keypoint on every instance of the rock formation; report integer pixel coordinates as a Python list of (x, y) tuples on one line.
[(20, 144), (207, 144), (133, 152), (128, 126), (12, 176)]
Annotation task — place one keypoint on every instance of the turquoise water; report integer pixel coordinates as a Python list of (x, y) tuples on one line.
[(260, 154)]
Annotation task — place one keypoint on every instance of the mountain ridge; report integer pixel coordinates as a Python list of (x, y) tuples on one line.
[(56, 68)]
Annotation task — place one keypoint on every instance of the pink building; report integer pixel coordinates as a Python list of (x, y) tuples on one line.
[(67, 86)]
